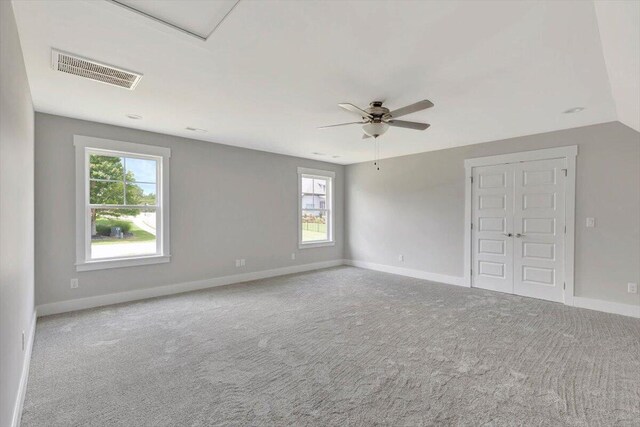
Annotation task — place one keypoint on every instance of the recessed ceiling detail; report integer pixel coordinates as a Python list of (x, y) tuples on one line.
[(93, 70), (192, 129), (574, 110), (199, 19)]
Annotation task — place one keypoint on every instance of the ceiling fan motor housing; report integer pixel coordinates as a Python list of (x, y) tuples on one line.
[(376, 125), (377, 110)]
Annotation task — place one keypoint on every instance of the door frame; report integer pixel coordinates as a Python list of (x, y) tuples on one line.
[(567, 152)]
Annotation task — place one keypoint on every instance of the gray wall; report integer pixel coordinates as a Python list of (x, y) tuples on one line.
[(415, 206), (226, 203), (16, 211)]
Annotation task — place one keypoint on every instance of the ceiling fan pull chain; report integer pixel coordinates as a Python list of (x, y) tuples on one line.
[(375, 154)]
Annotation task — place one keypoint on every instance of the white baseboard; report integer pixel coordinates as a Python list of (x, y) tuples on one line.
[(607, 306), (26, 362), (101, 300), (580, 302), (418, 274)]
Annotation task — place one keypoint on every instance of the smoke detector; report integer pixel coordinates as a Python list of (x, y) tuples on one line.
[(94, 70)]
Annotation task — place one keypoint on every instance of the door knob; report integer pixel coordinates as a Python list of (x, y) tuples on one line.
[(519, 235), (507, 234)]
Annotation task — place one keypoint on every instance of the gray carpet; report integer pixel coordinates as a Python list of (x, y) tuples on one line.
[(335, 347)]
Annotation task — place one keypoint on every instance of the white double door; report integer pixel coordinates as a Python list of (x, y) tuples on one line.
[(518, 228)]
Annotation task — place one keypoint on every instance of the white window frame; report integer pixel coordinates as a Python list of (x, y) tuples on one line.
[(321, 174), (86, 145)]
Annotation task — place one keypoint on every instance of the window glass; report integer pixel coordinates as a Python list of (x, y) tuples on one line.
[(119, 233), (106, 192), (314, 193), (140, 170), (315, 209), (314, 225), (127, 227), (141, 194), (106, 167)]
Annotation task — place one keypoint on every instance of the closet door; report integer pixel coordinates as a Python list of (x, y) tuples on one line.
[(492, 219), (539, 227)]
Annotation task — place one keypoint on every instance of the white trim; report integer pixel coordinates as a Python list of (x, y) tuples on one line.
[(418, 274), (24, 378), (85, 144), (316, 172), (124, 147), (319, 244), (569, 153), (570, 223), (607, 306), (330, 177), (523, 156), (122, 262), (120, 297), (467, 225)]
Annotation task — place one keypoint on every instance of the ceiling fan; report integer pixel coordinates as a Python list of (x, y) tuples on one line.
[(377, 119)]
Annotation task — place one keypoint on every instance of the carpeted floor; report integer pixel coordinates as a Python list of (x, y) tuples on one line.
[(336, 347)]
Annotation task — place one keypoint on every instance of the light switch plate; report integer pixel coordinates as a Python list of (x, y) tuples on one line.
[(591, 222)]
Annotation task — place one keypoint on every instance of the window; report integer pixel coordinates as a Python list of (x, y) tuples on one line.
[(315, 207), (122, 204)]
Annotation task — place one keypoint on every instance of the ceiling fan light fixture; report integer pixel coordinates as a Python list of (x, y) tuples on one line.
[(375, 129)]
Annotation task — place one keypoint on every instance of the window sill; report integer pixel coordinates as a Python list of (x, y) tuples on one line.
[(122, 262), (315, 245)]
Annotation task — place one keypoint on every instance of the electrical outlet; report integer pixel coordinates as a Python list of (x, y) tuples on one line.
[(401, 258), (293, 255), (632, 288), (591, 222), (74, 283)]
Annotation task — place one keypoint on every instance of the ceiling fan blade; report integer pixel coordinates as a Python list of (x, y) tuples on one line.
[(420, 105), (365, 136), (354, 109), (408, 125), (342, 124)]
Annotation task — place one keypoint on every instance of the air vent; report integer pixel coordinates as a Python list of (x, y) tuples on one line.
[(94, 70)]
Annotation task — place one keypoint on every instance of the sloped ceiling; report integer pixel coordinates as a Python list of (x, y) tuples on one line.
[(274, 70), (619, 24)]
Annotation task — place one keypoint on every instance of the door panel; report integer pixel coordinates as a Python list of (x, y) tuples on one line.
[(539, 222), (492, 217), (526, 200)]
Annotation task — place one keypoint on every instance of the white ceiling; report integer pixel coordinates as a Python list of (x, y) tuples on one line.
[(275, 70)]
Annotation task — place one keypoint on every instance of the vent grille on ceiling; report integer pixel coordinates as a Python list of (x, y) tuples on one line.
[(94, 70)]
